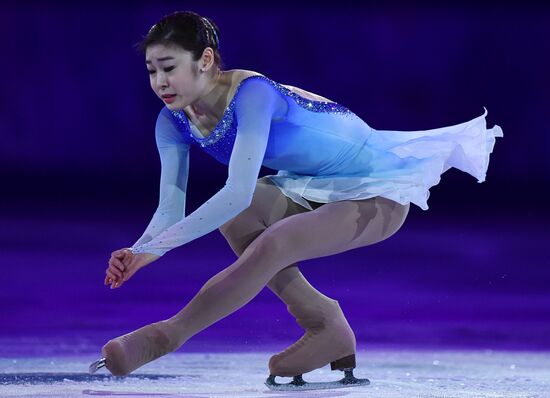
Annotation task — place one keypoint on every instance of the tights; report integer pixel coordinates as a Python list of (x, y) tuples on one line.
[(270, 237), (268, 207)]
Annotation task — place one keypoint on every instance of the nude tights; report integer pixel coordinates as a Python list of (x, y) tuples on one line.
[(270, 237)]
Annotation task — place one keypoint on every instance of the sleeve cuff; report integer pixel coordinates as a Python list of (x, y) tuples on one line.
[(140, 249)]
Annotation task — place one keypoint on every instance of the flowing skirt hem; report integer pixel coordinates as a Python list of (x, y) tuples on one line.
[(399, 165)]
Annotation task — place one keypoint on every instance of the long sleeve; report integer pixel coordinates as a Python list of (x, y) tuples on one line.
[(174, 158), (254, 108)]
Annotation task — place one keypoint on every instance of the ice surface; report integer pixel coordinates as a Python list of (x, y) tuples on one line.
[(393, 373)]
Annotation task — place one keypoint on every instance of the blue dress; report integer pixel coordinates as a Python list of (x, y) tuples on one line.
[(323, 152)]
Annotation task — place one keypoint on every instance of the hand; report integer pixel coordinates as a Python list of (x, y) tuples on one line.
[(123, 264), (118, 262)]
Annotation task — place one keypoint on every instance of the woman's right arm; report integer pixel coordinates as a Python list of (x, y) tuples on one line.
[(174, 158)]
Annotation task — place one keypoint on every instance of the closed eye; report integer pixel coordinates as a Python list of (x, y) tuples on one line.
[(168, 69)]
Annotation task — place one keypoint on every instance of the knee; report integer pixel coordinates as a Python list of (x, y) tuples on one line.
[(239, 236), (226, 228), (270, 244), (247, 217), (242, 223), (249, 223)]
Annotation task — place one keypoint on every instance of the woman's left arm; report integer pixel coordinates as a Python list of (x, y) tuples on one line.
[(255, 105)]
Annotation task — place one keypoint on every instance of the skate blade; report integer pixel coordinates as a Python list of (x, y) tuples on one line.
[(96, 365), (299, 384)]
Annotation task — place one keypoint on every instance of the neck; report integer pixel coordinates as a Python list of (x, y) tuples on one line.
[(214, 89)]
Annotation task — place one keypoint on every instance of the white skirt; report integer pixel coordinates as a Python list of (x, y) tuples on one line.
[(399, 165)]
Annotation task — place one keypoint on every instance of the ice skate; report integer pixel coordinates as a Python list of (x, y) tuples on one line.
[(126, 353), (328, 338)]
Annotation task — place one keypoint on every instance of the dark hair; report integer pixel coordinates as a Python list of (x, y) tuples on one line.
[(187, 30)]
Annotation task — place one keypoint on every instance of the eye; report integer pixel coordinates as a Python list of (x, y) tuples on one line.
[(168, 69)]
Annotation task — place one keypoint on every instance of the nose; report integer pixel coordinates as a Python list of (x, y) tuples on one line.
[(161, 82)]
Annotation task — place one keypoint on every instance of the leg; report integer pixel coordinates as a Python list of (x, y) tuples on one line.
[(268, 206), (332, 228), (320, 316)]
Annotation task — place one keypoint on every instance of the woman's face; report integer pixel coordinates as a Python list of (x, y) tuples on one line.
[(173, 73)]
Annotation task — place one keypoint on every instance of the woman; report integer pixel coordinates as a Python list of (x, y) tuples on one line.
[(341, 185)]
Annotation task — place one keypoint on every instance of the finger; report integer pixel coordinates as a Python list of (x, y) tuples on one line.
[(116, 284), (126, 276), (116, 263), (112, 275), (112, 280), (116, 270), (118, 253)]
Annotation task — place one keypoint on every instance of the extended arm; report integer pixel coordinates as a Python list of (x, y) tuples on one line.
[(254, 108), (174, 160)]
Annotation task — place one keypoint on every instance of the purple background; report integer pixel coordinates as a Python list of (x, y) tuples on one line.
[(80, 172)]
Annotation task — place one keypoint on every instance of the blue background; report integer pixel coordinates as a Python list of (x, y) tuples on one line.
[(80, 171)]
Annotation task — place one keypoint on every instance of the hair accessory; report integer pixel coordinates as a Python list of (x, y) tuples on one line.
[(209, 25), (152, 28)]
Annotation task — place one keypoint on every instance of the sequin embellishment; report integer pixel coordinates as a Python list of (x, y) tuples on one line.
[(227, 129)]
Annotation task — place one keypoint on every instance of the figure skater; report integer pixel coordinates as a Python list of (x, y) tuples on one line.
[(340, 185)]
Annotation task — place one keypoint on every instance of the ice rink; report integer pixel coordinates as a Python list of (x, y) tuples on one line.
[(393, 374), (470, 328)]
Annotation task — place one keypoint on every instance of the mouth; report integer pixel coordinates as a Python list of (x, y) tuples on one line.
[(168, 98)]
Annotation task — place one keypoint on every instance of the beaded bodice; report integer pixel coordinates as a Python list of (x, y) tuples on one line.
[(219, 143)]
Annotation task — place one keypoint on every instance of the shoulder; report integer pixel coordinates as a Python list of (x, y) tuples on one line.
[(172, 127), (166, 118), (241, 78), (259, 94), (248, 83), (238, 75)]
